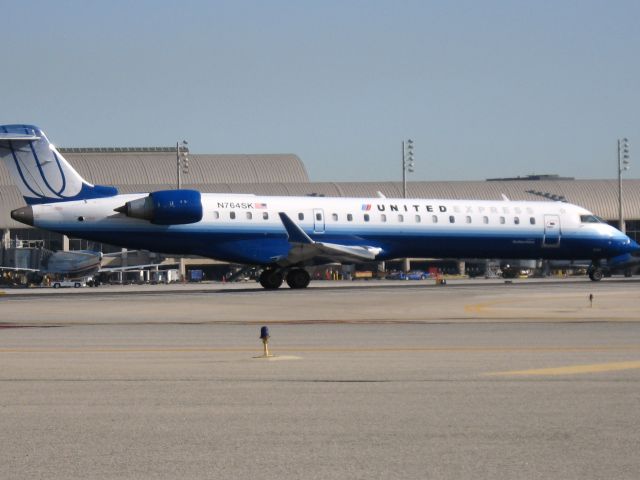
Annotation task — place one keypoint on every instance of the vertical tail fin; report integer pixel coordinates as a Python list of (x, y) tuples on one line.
[(40, 171)]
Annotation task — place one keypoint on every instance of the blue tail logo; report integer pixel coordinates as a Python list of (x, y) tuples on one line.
[(40, 171)]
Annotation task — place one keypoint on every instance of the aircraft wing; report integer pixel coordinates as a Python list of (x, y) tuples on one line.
[(145, 266), (306, 251), (18, 269)]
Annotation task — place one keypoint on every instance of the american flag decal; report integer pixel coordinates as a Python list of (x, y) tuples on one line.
[(261, 205), (366, 207)]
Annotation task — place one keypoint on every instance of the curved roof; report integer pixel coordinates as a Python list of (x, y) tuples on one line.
[(156, 168), (148, 168)]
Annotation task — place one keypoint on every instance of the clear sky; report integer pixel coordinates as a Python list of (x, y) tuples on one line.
[(485, 88)]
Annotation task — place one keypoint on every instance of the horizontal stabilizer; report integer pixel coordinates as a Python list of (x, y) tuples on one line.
[(18, 137)]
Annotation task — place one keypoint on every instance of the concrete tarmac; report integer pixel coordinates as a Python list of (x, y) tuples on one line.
[(474, 380)]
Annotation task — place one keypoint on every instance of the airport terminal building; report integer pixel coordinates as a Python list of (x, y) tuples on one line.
[(155, 168)]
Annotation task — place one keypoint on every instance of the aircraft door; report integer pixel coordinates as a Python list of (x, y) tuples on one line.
[(551, 231), (318, 220)]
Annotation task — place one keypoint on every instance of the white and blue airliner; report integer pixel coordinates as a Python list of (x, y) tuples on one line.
[(286, 234)]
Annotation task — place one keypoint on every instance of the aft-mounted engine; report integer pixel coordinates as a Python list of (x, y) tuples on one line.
[(166, 207)]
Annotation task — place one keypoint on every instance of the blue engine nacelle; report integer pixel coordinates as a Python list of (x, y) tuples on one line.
[(166, 207)]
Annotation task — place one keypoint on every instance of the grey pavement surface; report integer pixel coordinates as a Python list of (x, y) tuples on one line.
[(472, 380)]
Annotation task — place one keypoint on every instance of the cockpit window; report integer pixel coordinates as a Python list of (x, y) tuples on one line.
[(591, 219)]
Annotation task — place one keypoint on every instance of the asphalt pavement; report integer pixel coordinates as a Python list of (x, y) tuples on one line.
[(476, 380)]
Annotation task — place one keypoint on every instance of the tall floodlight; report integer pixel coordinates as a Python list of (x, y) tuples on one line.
[(407, 163), (182, 160), (624, 163)]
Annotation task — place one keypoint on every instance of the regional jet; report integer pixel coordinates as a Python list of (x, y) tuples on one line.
[(286, 234)]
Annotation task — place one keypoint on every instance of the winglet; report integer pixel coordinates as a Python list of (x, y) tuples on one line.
[(296, 234)]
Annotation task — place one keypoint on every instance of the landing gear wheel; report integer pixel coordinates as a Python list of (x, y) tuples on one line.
[(298, 278), (595, 274), (271, 279)]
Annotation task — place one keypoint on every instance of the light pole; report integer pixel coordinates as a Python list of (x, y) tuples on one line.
[(407, 166), (407, 163), (623, 164), (182, 160)]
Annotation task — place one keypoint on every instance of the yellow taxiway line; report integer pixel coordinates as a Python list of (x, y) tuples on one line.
[(572, 369)]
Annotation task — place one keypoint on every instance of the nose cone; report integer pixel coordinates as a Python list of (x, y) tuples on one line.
[(625, 245), (23, 215), (634, 247)]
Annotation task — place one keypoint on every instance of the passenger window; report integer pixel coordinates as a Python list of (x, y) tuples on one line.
[(232, 215), (349, 217), (434, 218), (485, 220), (249, 216), (516, 220), (452, 219), (216, 215), (532, 220), (366, 217), (383, 217), (334, 217), (468, 219), (418, 219), (401, 218), (301, 216), (502, 220), (265, 215)]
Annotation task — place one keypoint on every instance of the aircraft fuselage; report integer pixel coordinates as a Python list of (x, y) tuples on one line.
[(247, 228)]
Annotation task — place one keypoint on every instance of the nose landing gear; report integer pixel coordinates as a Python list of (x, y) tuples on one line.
[(595, 273)]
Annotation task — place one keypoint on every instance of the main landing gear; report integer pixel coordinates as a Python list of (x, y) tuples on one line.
[(298, 278), (272, 278)]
